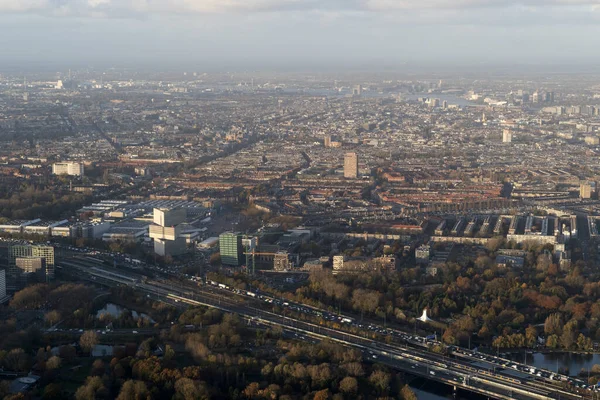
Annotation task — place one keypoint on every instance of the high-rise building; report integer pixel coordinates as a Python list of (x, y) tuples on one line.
[(506, 136), (327, 141), (351, 165), (31, 268), (166, 231), (29, 251), (585, 190), (231, 249), (357, 90), (68, 168), (169, 216)]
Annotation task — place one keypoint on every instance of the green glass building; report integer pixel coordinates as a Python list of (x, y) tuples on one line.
[(230, 246)]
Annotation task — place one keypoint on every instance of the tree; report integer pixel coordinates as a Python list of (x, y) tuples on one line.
[(169, 352), (53, 391), (252, 390), (134, 390), (530, 336), (17, 360), (349, 385), (187, 389), (88, 341), (552, 341), (567, 339), (553, 324), (98, 368), (92, 389), (53, 362), (52, 317), (215, 259), (322, 395), (406, 393), (365, 300), (380, 380), (67, 353)]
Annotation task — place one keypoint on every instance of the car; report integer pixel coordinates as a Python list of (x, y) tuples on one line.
[(134, 332)]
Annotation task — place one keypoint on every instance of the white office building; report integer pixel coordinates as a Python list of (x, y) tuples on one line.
[(68, 168)]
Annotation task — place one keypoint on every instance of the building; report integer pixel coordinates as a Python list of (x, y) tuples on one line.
[(29, 251), (281, 262), (231, 249), (338, 263), (357, 90), (385, 263), (585, 190), (68, 168), (351, 165), (163, 247), (422, 254), (327, 141), (31, 269), (506, 136), (167, 231), (2, 284), (169, 216)]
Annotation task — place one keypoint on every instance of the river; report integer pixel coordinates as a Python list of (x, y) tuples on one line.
[(552, 361)]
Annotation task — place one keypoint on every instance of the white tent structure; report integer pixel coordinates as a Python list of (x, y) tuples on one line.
[(424, 317)]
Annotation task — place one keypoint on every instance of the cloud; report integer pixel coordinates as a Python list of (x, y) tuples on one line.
[(124, 8)]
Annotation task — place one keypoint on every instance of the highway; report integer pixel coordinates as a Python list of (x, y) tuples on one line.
[(467, 370)]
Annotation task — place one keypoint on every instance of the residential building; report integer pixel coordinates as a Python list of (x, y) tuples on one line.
[(585, 190), (68, 168), (338, 263), (351, 165)]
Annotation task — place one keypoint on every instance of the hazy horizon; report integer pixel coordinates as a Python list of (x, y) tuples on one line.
[(298, 35)]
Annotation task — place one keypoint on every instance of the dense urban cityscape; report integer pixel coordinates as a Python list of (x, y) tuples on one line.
[(197, 235)]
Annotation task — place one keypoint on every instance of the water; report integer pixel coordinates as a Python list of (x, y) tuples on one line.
[(116, 311), (431, 390), (550, 361), (423, 395), (100, 350)]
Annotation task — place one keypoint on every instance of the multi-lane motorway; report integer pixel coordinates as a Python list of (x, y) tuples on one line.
[(491, 376)]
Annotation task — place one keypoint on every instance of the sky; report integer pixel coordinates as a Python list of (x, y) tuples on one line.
[(297, 34)]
